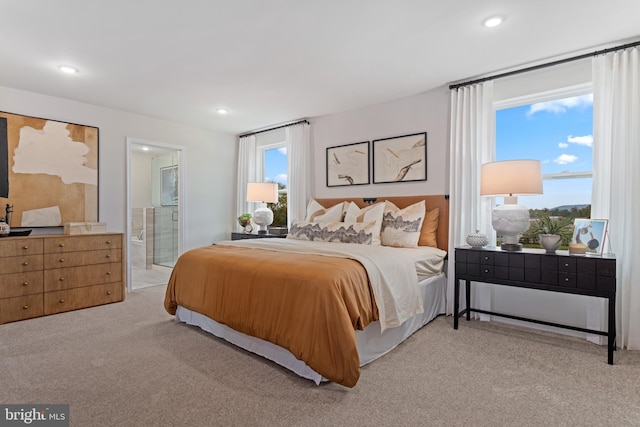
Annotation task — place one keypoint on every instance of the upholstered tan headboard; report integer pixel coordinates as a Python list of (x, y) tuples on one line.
[(439, 201)]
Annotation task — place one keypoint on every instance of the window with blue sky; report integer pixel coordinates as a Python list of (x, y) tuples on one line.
[(559, 133)]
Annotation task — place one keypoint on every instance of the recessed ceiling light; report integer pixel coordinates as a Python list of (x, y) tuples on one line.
[(145, 148), (222, 111), (494, 21), (67, 69)]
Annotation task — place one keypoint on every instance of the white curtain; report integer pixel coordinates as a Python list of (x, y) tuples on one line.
[(247, 166), (616, 178), (298, 170), (471, 145)]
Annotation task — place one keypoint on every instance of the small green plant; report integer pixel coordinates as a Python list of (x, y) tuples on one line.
[(552, 225), (245, 216)]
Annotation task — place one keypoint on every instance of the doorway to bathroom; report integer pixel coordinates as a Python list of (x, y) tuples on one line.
[(154, 211)]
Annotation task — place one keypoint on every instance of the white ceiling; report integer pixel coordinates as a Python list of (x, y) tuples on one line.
[(273, 61)]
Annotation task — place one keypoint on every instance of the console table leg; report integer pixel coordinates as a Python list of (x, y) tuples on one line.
[(456, 302), (468, 295), (611, 331)]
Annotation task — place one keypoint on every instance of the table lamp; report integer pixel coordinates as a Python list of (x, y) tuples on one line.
[(511, 178), (263, 192)]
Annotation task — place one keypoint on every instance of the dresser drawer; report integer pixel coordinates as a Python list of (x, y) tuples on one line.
[(64, 244), (14, 247), (72, 259), (20, 308), (86, 296), (19, 284), (74, 277), (20, 264)]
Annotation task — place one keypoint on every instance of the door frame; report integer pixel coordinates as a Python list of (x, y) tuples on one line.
[(181, 150)]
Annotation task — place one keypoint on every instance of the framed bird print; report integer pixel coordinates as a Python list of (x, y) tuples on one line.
[(348, 164), (400, 159)]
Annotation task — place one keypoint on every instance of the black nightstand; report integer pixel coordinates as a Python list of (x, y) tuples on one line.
[(535, 269), (241, 236)]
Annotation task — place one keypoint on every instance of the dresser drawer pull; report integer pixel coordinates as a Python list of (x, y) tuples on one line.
[(486, 270), (108, 242), (486, 258), (61, 245), (25, 247), (566, 264), (25, 284), (108, 292), (566, 279), (108, 273), (26, 307), (61, 301), (61, 259), (25, 263), (108, 255), (61, 279)]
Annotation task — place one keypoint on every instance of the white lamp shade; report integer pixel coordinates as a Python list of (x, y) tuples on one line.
[(266, 192), (511, 178)]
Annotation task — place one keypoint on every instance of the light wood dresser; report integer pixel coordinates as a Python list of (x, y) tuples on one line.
[(49, 274)]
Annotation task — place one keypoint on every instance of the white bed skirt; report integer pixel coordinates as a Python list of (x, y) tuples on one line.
[(370, 342)]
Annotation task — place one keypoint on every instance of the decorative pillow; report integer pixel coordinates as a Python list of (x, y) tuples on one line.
[(430, 229), (357, 232), (318, 213), (372, 213), (401, 227)]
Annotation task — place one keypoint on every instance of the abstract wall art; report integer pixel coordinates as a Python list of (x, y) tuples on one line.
[(348, 164), (400, 159), (48, 171)]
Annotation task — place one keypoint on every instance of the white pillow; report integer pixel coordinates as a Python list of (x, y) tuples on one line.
[(318, 213), (361, 233), (401, 227), (372, 213)]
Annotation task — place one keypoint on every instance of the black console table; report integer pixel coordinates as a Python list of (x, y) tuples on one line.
[(535, 269)]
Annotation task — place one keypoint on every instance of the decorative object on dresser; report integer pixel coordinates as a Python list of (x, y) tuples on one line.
[(477, 239), (348, 164), (534, 269), (511, 178), (49, 274), (400, 159), (4, 228), (245, 222), (591, 233), (84, 227), (263, 192), (53, 177)]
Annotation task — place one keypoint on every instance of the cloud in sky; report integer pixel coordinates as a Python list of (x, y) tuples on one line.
[(563, 144), (586, 140), (561, 105), (565, 159), (281, 178)]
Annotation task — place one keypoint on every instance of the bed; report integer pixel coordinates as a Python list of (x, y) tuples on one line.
[(312, 303)]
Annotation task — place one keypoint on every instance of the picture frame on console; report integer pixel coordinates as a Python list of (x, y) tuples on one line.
[(348, 164), (590, 232), (400, 158)]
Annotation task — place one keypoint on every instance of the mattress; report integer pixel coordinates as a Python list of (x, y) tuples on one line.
[(371, 342)]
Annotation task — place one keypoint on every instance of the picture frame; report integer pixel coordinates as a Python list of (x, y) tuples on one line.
[(169, 186), (400, 158), (48, 171), (590, 232), (348, 164)]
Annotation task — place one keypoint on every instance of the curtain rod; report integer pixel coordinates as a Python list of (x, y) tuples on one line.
[(273, 128), (548, 64)]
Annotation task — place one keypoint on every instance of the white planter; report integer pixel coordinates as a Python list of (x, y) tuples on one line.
[(550, 242)]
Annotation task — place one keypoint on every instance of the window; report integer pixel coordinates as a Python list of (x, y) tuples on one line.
[(557, 129), (274, 168)]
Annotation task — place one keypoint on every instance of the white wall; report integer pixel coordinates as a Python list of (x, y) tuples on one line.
[(208, 198), (426, 112)]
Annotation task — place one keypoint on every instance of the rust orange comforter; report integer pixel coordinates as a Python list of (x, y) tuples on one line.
[(309, 304)]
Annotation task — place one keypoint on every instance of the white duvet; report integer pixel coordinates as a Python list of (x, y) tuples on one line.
[(393, 272)]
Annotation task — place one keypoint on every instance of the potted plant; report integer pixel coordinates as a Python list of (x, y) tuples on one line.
[(552, 232), (245, 221)]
